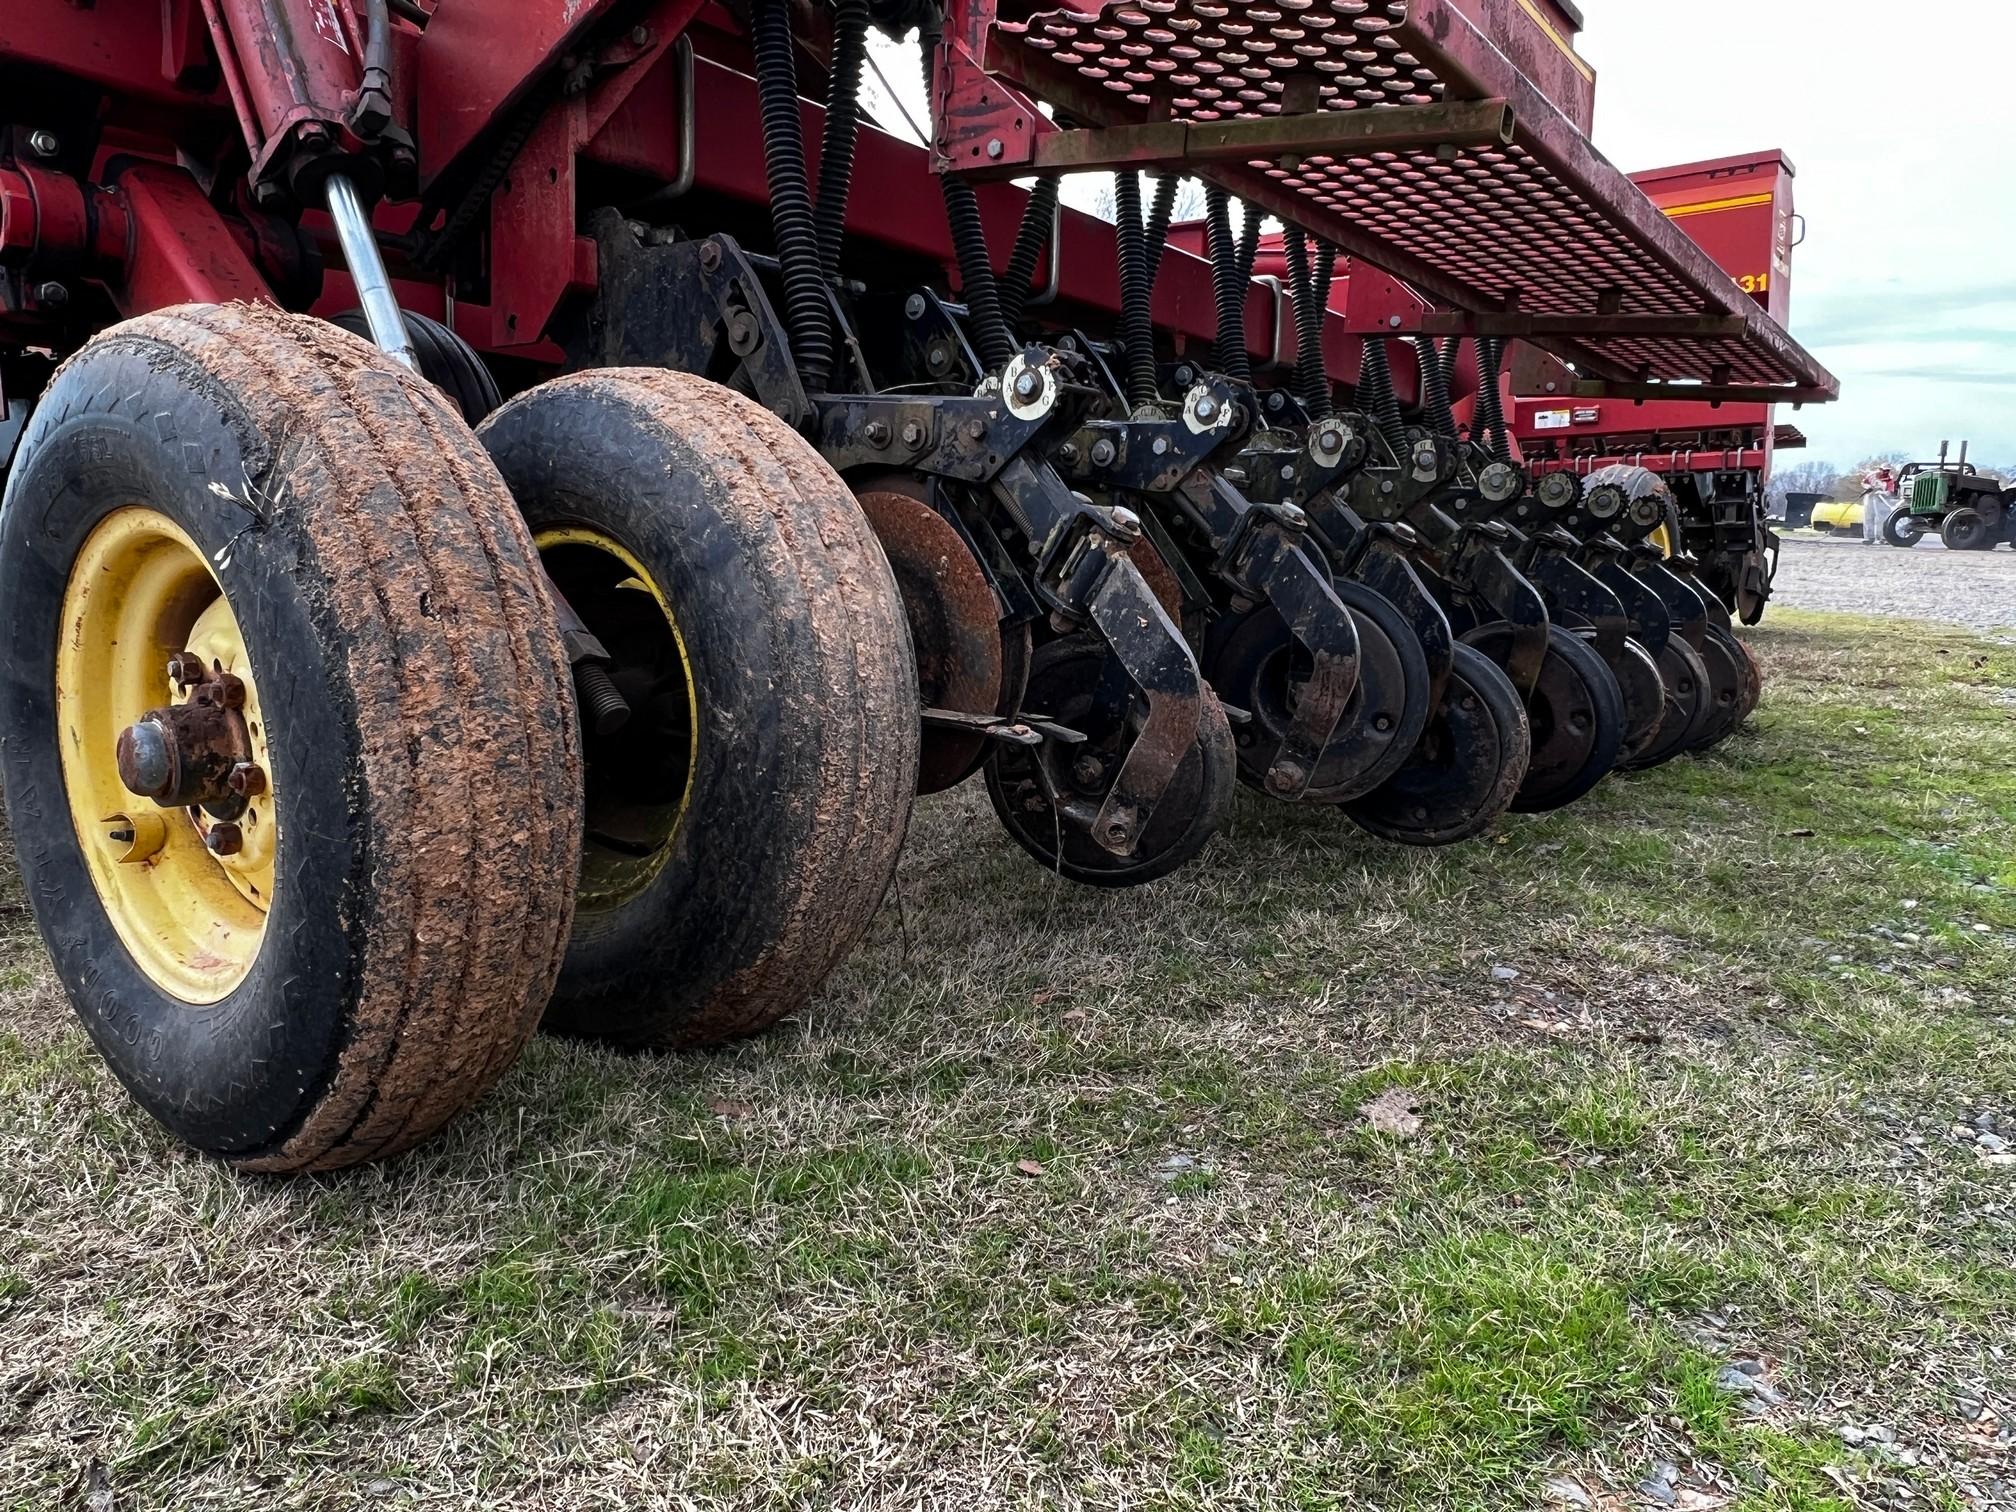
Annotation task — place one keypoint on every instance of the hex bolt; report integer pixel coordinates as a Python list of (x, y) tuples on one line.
[(1161, 446), (52, 293), (1285, 778), (1102, 452), (1027, 384), (976, 430), (186, 667), (913, 434), (877, 433), (1186, 375), (937, 358), (225, 839), (994, 148), (913, 307), (1068, 453), (44, 143), (230, 690), (1207, 408), (248, 779)]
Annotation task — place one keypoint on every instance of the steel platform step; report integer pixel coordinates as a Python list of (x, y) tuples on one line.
[(1395, 130)]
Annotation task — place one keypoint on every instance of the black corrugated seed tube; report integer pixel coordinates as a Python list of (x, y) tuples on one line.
[(1376, 396), (843, 124), (805, 311), (1311, 383), (985, 323), (1227, 286), (1490, 408), (1434, 389), (1032, 240), (1137, 287)]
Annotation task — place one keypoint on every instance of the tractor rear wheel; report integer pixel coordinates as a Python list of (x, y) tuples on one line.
[(744, 823), (291, 757), (1966, 530)]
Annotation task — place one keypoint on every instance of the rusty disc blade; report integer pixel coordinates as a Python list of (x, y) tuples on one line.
[(955, 622)]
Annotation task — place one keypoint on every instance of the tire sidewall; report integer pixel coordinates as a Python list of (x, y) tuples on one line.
[(134, 422)]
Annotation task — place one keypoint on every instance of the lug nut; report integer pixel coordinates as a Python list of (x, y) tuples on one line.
[(225, 839), (186, 667), (247, 779)]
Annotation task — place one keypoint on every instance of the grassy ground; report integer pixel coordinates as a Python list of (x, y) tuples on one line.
[(1071, 1200)]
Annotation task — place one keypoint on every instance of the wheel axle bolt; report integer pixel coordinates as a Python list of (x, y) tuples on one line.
[(184, 668), (1027, 385), (1102, 453), (914, 307), (248, 779), (225, 839)]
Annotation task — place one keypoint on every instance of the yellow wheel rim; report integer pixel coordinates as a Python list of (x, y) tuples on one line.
[(139, 592), (639, 781)]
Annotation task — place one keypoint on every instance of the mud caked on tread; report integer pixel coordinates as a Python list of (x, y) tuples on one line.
[(425, 766), (790, 727)]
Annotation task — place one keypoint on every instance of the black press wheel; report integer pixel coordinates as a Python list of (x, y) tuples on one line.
[(1382, 723), (292, 765), (1074, 682), (1644, 694), (1469, 763), (1577, 714), (1730, 679), (743, 824), (1683, 679)]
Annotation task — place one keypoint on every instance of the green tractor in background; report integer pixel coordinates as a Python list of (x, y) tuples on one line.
[(1971, 511)]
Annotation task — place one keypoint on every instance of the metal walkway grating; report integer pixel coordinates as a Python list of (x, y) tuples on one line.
[(1537, 236)]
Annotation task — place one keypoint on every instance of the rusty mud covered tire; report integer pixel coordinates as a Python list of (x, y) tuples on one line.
[(378, 949), (744, 824)]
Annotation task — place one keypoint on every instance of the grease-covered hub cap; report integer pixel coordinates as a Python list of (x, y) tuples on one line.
[(165, 761)]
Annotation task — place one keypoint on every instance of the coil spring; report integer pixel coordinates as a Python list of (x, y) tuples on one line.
[(843, 123), (805, 311)]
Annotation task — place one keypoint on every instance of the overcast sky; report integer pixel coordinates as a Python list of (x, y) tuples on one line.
[(1906, 283)]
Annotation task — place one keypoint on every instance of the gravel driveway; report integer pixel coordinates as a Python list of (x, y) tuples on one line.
[(1976, 588)]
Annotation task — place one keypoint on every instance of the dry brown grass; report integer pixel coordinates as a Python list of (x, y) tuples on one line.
[(1067, 1200)]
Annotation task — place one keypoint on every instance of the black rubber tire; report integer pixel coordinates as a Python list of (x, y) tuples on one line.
[(426, 773), (1901, 528), (446, 361), (1729, 676), (1576, 714), (1966, 530), (803, 755), (1688, 700), (1469, 764), (1060, 679)]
